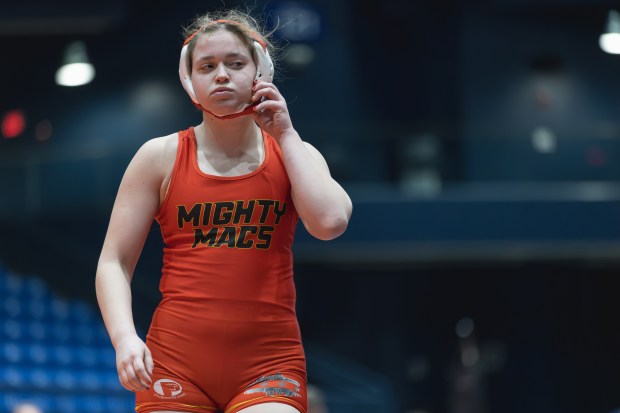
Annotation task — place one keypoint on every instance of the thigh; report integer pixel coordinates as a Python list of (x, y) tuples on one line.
[(283, 392), (269, 408)]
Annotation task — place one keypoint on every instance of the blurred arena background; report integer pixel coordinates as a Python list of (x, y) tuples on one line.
[(479, 141)]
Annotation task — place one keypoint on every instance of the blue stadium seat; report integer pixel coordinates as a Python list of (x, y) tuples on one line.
[(107, 358), (84, 334), (55, 352), (12, 378), (61, 355), (37, 331), (59, 310), (91, 381), (37, 354), (12, 284), (11, 354), (36, 309), (93, 404), (11, 330), (102, 337), (40, 379), (111, 383), (15, 352), (82, 313), (61, 333), (67, 404), (12, 308), (8, 400), (86, 356), (66, 380), (118, 404), (36, 288)]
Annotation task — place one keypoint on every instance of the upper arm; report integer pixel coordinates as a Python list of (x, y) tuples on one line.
[(318, 158), (327, 213), (135, 207), (320, 161)]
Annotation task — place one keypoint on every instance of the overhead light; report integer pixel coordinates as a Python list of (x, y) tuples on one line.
[(76, 69), (610, 39)]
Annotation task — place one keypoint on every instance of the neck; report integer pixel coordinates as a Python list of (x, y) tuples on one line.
[(228, 136)]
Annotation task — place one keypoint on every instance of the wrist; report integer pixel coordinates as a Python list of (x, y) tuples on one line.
[(289, 135), (120, 336)]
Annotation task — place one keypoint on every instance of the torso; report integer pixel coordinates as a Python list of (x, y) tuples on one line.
[(241, 226), (216, 164)]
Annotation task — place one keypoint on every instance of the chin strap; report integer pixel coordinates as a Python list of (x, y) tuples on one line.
[(248, 109)]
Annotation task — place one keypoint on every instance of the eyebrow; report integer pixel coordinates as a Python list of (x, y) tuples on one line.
[(227, 55)]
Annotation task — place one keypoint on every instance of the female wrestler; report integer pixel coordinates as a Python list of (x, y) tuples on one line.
[(227, 195)]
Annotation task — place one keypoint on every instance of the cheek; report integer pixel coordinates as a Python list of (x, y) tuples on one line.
[(246, 83), (201, 85)]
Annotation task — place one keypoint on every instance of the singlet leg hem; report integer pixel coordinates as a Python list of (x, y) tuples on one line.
[(150, 407), (262, 400)]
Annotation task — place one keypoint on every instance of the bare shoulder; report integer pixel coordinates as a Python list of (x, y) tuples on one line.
[(160, 147), (158, 154), (167, 147)]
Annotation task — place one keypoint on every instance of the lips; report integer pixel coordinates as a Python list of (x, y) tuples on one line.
[(221, 90)]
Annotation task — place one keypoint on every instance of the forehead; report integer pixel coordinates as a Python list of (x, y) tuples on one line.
[(221, 41)]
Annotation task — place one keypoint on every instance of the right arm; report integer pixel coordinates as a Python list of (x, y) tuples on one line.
[(136, 204)]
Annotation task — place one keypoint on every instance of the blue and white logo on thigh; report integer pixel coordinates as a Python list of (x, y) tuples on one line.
[(168, 389)]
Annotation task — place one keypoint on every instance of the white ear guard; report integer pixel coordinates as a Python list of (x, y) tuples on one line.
[(186, 80), (264, 69)]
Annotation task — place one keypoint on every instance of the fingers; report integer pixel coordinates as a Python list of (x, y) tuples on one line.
[(128, 379), (143, 376), (271, 112), (148, 361), (133, 378), (135, 372), (267, 91), (272, 105), (260, 85)]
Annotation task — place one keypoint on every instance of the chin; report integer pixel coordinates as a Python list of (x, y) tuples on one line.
[(223, 110)]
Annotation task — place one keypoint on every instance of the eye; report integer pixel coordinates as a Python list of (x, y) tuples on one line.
[(206, 67), (237, 64)]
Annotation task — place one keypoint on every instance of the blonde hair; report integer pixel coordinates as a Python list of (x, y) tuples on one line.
[(241, 24)]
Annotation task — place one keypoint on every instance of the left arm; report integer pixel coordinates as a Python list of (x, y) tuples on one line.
[(323, 205)]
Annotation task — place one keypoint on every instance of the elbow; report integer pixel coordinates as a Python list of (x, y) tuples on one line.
[(330, 227)]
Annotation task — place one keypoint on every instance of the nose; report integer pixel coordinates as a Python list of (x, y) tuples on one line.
[(221, 75)]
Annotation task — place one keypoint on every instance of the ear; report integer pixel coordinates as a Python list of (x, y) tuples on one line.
[(186, 80), (264, 70)]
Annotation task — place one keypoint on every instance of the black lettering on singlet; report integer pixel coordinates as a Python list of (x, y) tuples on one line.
[(266, 204), (206, 214), (279, 212), (246, 212), (244, 230), (193, 215), (201, 238), (264, 234), (222, 214), (228, 237)]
